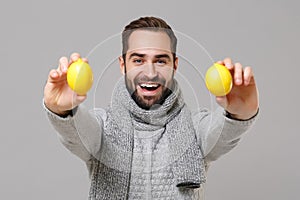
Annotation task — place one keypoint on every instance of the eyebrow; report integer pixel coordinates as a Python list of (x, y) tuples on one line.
[(137, 54), (156, 56), (163, 56)]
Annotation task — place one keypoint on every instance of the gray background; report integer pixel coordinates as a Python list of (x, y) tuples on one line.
[(263, 34)]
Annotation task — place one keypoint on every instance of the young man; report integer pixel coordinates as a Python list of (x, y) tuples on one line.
[(147, 144)]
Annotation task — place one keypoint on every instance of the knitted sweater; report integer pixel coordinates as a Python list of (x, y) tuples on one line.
[(151, 175)]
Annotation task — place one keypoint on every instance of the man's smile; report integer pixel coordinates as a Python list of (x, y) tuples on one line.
[(149, 89)]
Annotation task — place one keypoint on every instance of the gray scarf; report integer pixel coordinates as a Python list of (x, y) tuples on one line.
[(111, 176)]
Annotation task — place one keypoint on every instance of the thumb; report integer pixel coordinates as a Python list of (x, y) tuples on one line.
[(81, 98), (222, 101), (78, 99)]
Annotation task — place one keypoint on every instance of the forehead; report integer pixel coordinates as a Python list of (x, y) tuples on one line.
[(145, 39)]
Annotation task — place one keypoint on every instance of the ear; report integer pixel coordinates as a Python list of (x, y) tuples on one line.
[(122, 65), (175, 64)]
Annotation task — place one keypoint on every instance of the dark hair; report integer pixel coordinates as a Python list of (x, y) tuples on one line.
[(151, 24)]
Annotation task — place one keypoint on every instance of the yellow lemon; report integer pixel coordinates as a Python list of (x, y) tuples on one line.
[(218, 80), (80, 77)]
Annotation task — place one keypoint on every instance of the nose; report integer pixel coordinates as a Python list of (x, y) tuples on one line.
[(150, 71)]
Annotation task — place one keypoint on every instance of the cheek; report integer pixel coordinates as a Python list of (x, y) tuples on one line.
[(167, 73), (132, 74)]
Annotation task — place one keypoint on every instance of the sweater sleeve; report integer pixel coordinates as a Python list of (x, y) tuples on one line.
[(80, 133), (218, 134)]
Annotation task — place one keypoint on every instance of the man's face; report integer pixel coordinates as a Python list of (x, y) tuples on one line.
[(149, 67)]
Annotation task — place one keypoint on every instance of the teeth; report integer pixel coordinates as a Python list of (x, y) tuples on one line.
[(149, 85)]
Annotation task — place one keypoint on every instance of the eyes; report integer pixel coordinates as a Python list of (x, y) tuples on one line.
[(139, 61), (161, 62)]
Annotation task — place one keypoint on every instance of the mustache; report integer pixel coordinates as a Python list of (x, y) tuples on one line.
[(145, 79)]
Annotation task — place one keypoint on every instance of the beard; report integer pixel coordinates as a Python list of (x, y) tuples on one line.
[(148, 102)]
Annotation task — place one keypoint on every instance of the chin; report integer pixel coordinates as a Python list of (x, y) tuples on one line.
[(148, 103)]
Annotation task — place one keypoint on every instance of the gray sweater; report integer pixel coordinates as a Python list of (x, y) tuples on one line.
[(161, 153), (82, 133)]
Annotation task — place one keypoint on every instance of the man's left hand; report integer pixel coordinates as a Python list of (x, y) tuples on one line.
[(242, 101)]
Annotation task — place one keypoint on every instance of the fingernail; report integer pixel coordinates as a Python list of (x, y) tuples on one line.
[(54, 74), (238, 81), (228, 64)]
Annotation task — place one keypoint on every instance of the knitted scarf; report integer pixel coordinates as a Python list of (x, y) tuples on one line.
[(111, 175)]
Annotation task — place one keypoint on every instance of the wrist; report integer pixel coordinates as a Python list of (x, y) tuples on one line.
[(241, 117), (58, 112)]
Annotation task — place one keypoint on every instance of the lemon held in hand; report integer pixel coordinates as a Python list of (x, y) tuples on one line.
[(218, 80), (80, 77)]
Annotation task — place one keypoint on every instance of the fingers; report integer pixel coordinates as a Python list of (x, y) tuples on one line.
[(63, 65), (248, 76), (240, 75), (74, 56), (85, 60), (227, 62), (243, 76), (53, 76), (59, 74)]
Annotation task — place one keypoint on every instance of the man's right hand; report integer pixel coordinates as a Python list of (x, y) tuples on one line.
[(58, 96)]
